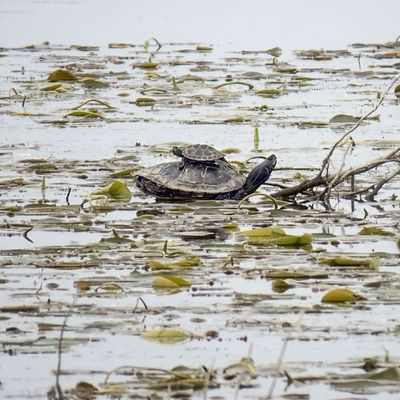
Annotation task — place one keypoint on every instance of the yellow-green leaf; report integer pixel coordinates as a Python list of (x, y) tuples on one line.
[(116, 190), (343, 119), (170, 281), (389, 374), (61, 75), (342, 261), (375, 230), (166, 335), (262, 232), (182, 263), (50, 88), (283, 240), (93, 83), (85, 114), (341, 296), (145, 101), (269, 92)]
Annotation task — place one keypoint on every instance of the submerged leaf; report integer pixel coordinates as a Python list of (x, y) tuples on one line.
[(341, 296)]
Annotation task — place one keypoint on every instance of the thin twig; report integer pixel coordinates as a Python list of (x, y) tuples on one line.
[(59, 357), (25, 234), (378, 186), (356, 125), (67, 197)]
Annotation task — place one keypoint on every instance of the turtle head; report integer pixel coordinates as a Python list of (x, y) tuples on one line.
[(177, 151), (258, 175)]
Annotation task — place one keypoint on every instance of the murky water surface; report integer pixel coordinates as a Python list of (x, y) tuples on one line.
[(104, 263)]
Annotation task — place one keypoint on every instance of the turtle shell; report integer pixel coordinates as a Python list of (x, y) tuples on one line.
[(201, 152), (195, 178)]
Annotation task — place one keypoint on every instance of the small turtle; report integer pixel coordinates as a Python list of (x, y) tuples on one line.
[(198, 153), (205, 178)]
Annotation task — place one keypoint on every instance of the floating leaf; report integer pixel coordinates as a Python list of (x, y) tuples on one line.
[(182, 263), (116, 190), (280, 285), (342, 261), (61, 75), (269, 92), (397, 91), (341, 296), (146, 65), (230, 150), (85, 113), (375, 230), (124, 172), (284, 240), (203, 47), (19, 308), (170, 281), (343, 119), (389, 374), (262, 232), (85, 388), (145, 101), (295, 275), (166, 335), (118, 45), (235, 119), (93, 83), (51, 88)]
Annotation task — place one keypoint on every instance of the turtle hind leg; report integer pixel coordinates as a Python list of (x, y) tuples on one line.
[(149, 187)]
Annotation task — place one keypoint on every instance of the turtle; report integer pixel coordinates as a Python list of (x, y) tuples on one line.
[(198, 153), (202, 178)]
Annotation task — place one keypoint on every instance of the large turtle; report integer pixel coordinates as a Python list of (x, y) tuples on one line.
[(203, 173)]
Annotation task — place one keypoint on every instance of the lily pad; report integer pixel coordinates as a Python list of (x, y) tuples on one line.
[(375, 230), (284, 240), (170, 281), (62, 75), (341, 296), (343, 119), (165, 335), (182, 263), (343, 261), (115, 190)]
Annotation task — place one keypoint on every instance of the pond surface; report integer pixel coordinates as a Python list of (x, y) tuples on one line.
[(158, 299)]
